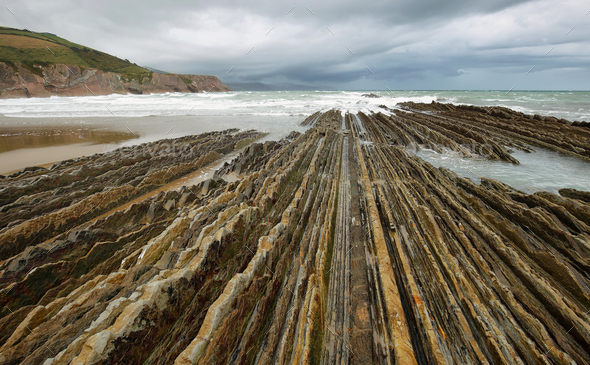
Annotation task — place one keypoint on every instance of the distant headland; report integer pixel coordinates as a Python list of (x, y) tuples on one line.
[(43, 64)]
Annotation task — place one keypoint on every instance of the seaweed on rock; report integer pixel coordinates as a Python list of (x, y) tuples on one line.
[(333, 246)]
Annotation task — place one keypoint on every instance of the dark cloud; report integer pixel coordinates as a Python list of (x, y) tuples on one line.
[(409, 44)]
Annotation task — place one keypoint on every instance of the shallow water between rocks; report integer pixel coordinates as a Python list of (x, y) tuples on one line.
[(541, 170)]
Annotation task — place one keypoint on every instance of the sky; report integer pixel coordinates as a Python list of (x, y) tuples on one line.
[(346, 44)]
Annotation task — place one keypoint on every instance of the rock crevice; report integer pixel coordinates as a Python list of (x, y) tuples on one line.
[(337, 245)]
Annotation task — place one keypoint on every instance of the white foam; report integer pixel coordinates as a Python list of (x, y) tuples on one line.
[(571, 106), (178, 104)]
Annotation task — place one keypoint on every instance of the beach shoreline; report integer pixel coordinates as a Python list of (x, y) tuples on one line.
[(337, 231), (26, 142)]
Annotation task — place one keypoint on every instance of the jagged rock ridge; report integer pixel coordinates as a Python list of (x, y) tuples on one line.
[(335, 246)]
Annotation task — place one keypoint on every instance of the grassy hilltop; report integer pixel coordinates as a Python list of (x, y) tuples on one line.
[(34, 65), (29, 48)]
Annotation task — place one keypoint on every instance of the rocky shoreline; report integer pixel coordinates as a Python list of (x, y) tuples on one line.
[(334, 246), (18, 81)]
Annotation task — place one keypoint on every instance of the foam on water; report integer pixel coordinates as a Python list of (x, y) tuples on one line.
[(568, 105), (277, 113), (177, 104)]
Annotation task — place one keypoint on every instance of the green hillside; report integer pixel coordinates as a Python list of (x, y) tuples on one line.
[(30, 48)]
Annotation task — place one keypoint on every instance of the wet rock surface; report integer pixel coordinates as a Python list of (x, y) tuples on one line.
[(333, 246), (490, 131)]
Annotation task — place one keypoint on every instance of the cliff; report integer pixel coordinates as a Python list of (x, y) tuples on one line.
[(43, 64), (18, 80)]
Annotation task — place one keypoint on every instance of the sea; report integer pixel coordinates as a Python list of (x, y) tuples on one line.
[(39, 131)]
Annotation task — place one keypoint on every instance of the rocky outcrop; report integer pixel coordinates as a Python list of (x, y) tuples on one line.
[(68, 80), (40, 203), (491, 131), (334, 246), (581, 124)]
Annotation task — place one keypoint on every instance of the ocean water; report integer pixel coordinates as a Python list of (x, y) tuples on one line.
[(571, 105), (152, 117), (540, 171)]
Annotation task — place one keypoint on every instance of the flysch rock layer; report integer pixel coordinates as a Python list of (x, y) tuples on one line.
[(337, 245)]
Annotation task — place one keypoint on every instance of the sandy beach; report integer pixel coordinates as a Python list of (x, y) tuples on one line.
[(16, 160), (28, 142)]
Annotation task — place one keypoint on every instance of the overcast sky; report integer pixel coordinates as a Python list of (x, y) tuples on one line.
[(350, 44)]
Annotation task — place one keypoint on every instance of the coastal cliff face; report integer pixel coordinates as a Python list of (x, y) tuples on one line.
[(18, 81), (337, 245)]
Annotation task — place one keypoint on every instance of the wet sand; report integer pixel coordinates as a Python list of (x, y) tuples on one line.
[(17, 138), (24, 144), (28, 142), (16, 160)]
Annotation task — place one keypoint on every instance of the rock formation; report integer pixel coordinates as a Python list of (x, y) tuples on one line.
[(68, 80), (334, 246)]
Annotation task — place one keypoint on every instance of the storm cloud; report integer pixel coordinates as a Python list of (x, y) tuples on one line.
[(455, 44)]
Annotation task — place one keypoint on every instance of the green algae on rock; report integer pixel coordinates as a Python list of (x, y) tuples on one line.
[(334, 246)]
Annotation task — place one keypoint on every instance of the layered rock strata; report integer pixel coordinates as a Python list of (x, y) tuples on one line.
[(492, 131), (335, 246), (17, 81)]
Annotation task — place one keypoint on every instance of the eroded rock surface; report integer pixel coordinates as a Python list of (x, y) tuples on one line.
[(17, 81), (333, 246)]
